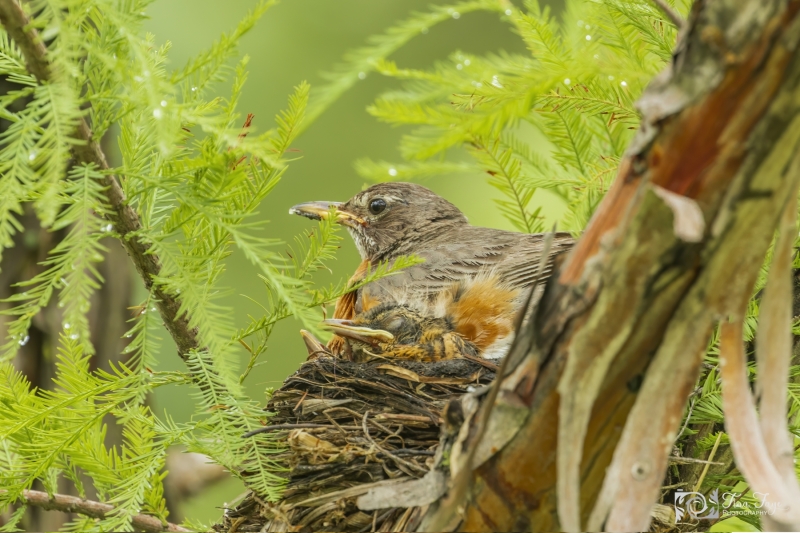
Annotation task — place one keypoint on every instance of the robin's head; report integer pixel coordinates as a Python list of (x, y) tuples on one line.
[(386, 215)]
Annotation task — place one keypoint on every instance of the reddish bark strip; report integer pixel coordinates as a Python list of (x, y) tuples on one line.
[(719, 129)]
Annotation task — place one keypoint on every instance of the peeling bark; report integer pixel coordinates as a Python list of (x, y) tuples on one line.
[(594, 395)]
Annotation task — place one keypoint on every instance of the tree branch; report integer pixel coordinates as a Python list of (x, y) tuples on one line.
[(16, 24), (670, 13), (763, 471), (774, 354), (73, 504), (124, 219), (676, 243)]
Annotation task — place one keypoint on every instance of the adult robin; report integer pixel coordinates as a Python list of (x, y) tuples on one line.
[(394, 219)]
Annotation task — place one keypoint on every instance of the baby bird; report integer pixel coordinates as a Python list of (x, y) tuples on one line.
[(470, 318), (398, 331)]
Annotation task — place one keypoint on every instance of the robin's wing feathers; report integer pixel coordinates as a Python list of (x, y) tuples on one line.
[(512, 257), (455, 277)]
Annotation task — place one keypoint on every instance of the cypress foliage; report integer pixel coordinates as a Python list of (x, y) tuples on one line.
[(194, 178), (556, 118)]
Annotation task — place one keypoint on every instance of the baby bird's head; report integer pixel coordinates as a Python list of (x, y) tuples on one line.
[(388, 323), (383, 328)]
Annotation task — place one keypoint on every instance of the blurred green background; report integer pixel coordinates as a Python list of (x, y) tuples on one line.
[(295, 41)]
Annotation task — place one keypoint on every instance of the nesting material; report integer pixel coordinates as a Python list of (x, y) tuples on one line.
[(353, 430)]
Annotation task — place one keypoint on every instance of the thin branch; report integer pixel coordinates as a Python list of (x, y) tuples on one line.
[(670, 13), (396, 459), (16, 24), (688, 417), (278, 427), (73, 504), (124, 219), (708, 464), (676, 460)]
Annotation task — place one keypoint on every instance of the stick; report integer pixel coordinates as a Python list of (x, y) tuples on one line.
[(73, 504), (671, 14), (708, 463), (396, 459)]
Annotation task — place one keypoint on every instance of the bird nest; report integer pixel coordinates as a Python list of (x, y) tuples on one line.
[(351, 428)]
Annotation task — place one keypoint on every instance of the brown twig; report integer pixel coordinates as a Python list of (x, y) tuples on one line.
[(708, 463), (671, 14), (481, 361), (73, 504), (279, 427), (33, 50), (393, 457), (124, 219), (691, 460), (686, 422)]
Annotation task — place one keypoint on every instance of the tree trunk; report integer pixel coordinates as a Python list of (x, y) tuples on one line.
[(591, 395)]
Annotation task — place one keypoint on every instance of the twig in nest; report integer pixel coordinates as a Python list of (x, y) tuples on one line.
[(481, 361), (334, 422), (296, 407), (393, 457), (372, 421), (73, 504), (375, 520), (266, 429)]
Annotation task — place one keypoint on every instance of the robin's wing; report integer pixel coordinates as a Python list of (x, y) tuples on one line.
[(521, 267), (512, 257)]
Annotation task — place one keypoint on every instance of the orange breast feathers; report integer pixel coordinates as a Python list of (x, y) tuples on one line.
[(346, 306), (482, 310)]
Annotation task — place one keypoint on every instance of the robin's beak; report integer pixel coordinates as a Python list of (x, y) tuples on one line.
[(322, 210), (346, 328)]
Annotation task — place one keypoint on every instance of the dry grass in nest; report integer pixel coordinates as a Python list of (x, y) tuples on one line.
[(350, 427)]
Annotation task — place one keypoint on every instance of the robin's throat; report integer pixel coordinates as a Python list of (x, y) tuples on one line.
[(364, 244)]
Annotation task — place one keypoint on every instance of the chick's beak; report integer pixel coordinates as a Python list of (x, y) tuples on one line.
[(313, 345), (322, 210), (346, 328)]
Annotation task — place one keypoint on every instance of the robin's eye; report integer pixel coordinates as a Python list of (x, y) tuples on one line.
[(377, 205)]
